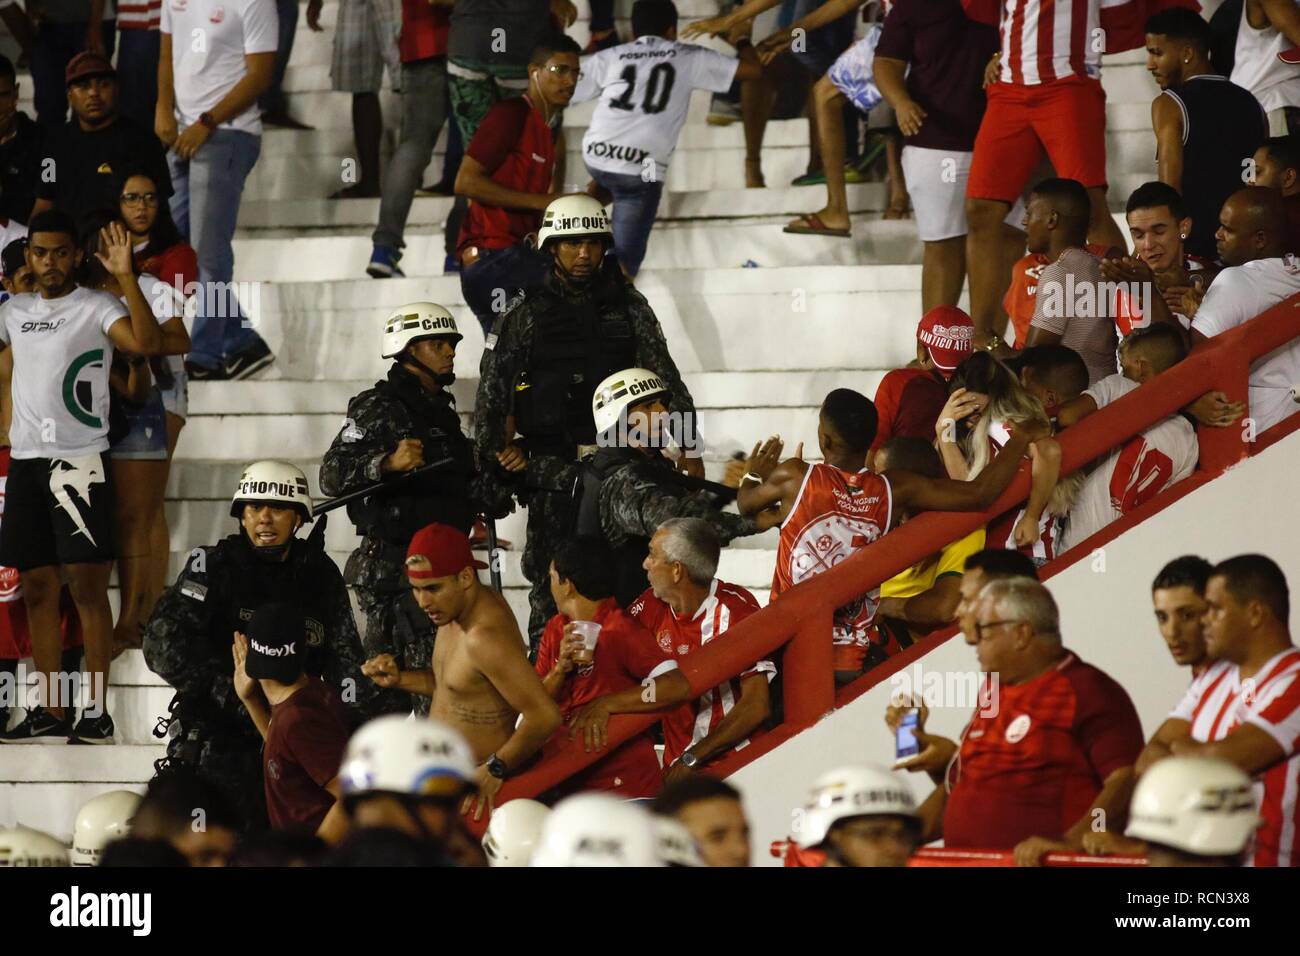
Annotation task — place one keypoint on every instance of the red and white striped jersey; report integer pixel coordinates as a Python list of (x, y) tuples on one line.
[(1001, 530), (1218, 702), (725, 605), (1046, 40), (139, 15)]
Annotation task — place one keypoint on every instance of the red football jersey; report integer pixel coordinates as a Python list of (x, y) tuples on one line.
[(908, 402), (1218, 702), (625, 655), (1032, 761), (516, 149), (1001, 529), (727, 604), (835, 515)]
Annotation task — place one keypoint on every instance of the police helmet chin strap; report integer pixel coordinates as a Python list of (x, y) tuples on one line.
[(442, 378), (273, 552)]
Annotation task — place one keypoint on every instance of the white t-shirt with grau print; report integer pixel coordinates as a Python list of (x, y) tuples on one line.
[(1140, 469), (645, 93), (1237, 295), (61, 353), (210, 39)]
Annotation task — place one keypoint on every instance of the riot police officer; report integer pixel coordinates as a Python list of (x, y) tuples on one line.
[(405, 422), (540, 367), (630, 487), (189, 635)]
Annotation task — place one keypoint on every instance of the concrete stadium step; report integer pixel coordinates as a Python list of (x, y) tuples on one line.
[(708, 244), (292, 218)]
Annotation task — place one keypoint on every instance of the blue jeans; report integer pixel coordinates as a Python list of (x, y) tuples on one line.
[(56, 44), (137, 75), (491, 285), (272, 101), (635, 205), (205, 206)]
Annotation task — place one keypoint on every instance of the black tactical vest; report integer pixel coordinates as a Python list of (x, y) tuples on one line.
[(577, 341), (442, 496)]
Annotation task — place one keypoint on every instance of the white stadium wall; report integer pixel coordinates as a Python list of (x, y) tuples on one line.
[(1105, 617)]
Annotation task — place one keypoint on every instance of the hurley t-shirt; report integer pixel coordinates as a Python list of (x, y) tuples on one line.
[(1236, 296), (61, 353), (946, 53), (645, 92), (205, 72), (304, 748)]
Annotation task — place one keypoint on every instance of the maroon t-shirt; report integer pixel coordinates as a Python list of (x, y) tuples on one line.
[(303, 750), (516, 149), (947, 53), (908, 402)]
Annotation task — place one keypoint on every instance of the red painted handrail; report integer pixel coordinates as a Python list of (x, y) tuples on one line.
[(942, 857), (800, 620)]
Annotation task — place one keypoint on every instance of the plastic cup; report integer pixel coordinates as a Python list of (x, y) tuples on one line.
[(589, 631)]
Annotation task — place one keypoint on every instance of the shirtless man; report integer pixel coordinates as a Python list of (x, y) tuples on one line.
[(481, 681)]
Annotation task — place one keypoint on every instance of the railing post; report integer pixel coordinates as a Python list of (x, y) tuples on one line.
[(809, 675), (1221, 448)]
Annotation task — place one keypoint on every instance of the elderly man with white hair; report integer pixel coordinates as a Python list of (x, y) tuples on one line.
[(1050, 735)]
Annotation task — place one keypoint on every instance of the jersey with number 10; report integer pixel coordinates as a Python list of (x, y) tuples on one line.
[(645, 91)]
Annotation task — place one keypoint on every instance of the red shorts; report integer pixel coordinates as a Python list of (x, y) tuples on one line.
[(1067, 118)]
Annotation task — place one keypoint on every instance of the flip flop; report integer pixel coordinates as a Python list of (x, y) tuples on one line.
[(812, 225)]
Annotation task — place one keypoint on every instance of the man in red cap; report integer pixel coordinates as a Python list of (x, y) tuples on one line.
[(86, 154), (908, 400), (481, 682)]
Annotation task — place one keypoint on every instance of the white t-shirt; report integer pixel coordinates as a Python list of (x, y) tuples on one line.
[(60, 385), (1237, 295), (645, 92), (209, 42), (1257, 68), (1139, 470)]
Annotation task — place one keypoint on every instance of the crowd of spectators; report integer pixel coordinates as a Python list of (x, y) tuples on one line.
[(117, 232)]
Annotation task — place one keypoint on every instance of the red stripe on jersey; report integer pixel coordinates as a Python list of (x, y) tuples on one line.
[(1015, 32), (1046, 39)]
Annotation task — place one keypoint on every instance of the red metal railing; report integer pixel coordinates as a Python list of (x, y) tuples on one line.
[(1007, 858), (801, 620)]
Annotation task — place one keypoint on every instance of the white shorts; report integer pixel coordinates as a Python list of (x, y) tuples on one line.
[(936, 183)]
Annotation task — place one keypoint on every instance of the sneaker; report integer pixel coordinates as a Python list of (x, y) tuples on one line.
[(383, 263), (38, 727), (723, 112), (201, 373), (93, 730), (249, 361), (816, 178), (450, 265)]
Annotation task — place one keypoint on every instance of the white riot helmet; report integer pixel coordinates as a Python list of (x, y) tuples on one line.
[(419, 320), (1196, 805), (23, 847), (851, 792), (618, 392), (676, 845), (514, 832), (406, 756), (100, 821), (571, 217), (276, 482), (595, 829)]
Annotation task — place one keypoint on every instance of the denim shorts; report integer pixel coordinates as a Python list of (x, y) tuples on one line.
[(146, 437)]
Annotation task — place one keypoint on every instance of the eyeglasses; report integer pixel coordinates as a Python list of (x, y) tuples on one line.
[(980, 628), (135, 199), (559, 69)]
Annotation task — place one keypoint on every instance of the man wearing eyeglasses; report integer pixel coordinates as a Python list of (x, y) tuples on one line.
[(81, 160), (509, 176), (1050, 734)]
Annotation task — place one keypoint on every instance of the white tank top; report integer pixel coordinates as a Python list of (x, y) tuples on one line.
[(1257, 68)]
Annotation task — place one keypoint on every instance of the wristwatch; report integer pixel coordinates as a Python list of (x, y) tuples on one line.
[(206, 120), (688, 760), (497, 767)]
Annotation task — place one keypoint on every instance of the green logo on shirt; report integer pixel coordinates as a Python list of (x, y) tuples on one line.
[(79, 391)]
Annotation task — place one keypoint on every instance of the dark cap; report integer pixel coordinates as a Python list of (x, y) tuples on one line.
[(13, 258), (86, 64), (277, 639)]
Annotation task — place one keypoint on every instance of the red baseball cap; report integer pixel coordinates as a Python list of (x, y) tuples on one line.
[(948, 335), (86, 64), (446, 550)]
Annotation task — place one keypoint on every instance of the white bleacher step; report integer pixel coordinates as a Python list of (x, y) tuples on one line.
[(67, 763), (708, 244)]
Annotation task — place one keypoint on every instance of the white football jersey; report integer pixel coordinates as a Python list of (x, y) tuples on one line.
[(645, 91)]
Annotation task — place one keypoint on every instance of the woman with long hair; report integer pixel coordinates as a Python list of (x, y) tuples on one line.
[(137, 442), (983, 396)]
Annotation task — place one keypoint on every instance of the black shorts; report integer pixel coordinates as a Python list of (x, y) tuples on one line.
[(57, 511)]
